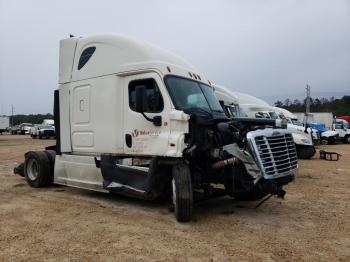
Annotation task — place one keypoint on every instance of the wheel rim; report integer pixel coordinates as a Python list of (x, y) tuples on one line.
[(324, 142), (32, 169), (348, 139)]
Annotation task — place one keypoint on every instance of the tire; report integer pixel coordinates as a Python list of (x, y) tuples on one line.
[(51, 154), (34, 136), (324, 141), (305, 152), (347, 140), (182, 192), (244, 188), (40, 137), (37, 170)]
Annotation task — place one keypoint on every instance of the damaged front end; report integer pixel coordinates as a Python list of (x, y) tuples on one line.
[(252, 158)]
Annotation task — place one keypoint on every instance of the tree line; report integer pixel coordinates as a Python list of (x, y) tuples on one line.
[(338, 107), (34, 119)]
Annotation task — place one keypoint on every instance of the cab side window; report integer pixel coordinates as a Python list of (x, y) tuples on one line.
[(153, 101), (85, 56)]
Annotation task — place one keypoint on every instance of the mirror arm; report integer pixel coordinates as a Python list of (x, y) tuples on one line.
[(157, 120), (146, 117)]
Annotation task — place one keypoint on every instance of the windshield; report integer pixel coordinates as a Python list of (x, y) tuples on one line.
[(45, 127), (296, 122), (188, 94), (262, 115), (236, 111), (273, 115)]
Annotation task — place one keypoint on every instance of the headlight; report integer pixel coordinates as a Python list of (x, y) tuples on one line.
[(306, 141)]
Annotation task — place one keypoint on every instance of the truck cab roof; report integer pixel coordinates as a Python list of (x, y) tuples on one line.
[(105, 54)]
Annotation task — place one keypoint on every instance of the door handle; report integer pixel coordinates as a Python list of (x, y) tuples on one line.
[(128, 140)]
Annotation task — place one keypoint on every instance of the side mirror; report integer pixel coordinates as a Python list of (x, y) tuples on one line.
[(140, 93), (139, 98)]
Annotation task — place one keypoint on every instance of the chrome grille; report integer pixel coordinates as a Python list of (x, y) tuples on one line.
[(275, 151)]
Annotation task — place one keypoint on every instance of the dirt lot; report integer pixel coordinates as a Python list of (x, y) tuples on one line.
[(60, 223)]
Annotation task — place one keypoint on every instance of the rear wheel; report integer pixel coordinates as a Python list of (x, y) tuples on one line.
[(37, 169), (182, 193)]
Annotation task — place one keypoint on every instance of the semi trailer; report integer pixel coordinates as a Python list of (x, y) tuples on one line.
[(252, 107), (4, 124), (137, 120)]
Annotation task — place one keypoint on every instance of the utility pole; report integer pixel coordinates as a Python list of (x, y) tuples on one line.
[(308, 92), (12, 109), (307, 110)]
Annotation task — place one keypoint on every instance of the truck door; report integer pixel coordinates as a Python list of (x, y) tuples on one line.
[(141, 136), (341, 129)]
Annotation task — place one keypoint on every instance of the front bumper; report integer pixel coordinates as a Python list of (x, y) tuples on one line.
[(47, 133)]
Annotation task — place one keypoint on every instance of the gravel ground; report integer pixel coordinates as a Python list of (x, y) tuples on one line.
[(61, 223)]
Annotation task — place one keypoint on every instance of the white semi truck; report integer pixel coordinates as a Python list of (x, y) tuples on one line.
[(134, 119), (253, 107)]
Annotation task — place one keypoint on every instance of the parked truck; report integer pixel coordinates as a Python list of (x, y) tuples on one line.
[(24, 128), (42, 131), (346, 118), (256, 108), (4, 124), (49, 122), (137, 120), (341, 127)]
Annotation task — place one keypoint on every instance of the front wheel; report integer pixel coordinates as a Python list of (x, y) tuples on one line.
[(305, 152), (324, 141), (182, 192), (347, 139)]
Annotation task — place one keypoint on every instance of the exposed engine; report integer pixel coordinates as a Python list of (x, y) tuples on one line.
[(224, 151)]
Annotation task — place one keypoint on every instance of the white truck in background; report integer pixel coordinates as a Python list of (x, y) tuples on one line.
[(42, 131), (294, 123), (341, 127), (137, 120), (323, 123), (50, 122), (4, 124), (256, 108)]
